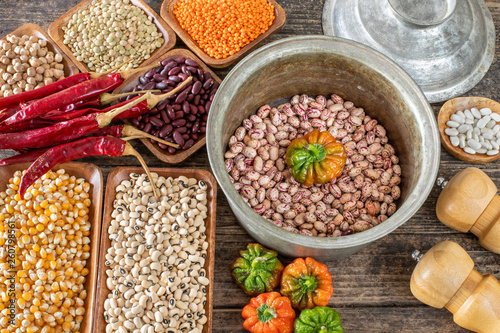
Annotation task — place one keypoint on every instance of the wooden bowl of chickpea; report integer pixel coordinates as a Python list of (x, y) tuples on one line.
[(30, 59)]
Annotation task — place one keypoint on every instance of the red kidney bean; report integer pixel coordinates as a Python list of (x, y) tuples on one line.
[(195, 89), (149, 86), (181, 97), (174, 78), (201, 109), (178, 138), (196, 126), (143, 80), (182, 130), (183, 76), (159, 77), (207, 106), (191, 62), (165, 61), (174, 71), (193, 109), (191, 117), (179, 122), (171, 150), (162, 85), (147, 128), (185, 107), (203, 129), (156, 122), (208, 83), (165, 130), (171, 83), (149, 74), (177, 107), (135, 122), (180, 60), (179, 114), (171, 113), (196, 100)]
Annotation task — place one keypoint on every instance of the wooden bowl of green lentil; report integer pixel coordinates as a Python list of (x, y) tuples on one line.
[(92, 174), (58, 34), (115, 179), (167, 13)]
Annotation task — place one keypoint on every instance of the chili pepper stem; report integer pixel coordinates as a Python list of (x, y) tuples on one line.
[(128, 73), (93, 75), (108, 98), (129, 150), (104, 119), (155, 99), (131, 131)]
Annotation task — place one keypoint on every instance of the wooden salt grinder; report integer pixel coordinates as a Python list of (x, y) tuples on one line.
[(469, 202), (445, 277)]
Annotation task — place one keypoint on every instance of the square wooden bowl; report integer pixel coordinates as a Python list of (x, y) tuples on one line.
[(92, 174), (161, 154), (32, 29), (57, 34), (167, 12), (114, 179)]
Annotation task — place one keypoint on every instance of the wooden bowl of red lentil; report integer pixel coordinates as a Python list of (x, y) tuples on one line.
[(167, 13)]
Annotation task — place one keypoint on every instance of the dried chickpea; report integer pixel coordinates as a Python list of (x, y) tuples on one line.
[(18, 55), (46, 237), (222, 27)]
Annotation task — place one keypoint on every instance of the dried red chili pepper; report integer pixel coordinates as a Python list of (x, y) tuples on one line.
[(29, 156), (45, 90), (63, 131), (9, 112), (92, 146), (63, 115), (58, 86), (80, 91), (27, 125), (83, 90)]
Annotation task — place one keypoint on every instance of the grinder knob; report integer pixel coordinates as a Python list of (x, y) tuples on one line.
[(469, 202), (445, 277)]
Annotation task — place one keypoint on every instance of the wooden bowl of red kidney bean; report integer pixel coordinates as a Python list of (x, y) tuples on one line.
[(181, 118)]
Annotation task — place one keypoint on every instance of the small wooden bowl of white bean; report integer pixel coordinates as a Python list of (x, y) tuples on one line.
[(470, 128), (156, 265)]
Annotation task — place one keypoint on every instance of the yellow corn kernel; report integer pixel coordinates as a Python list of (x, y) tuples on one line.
[(66, 326), (27, 296)]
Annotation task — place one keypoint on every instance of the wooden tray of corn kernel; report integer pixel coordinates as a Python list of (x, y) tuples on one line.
[(92, 174)]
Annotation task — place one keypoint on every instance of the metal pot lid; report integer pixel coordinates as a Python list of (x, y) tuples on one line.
[(446, 46)]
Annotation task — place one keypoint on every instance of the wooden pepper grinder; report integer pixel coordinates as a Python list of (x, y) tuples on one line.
[(469, 202), (445, 277)]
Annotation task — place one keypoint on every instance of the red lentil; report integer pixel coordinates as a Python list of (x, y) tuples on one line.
[(222, 27)]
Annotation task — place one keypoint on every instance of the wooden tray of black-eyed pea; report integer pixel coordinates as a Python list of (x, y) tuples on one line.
[(156, 263)]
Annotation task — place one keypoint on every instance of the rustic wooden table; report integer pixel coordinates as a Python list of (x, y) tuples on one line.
[(372, 287)]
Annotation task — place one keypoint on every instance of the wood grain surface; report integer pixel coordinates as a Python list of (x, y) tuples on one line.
[(371, 287)]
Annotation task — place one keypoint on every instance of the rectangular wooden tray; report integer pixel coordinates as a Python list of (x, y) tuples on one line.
[(167, 12), (161, 154), (92, 174), (114, 179), (32, 29), (57, 34)]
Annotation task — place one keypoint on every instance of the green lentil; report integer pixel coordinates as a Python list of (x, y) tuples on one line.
[(109, 33)]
